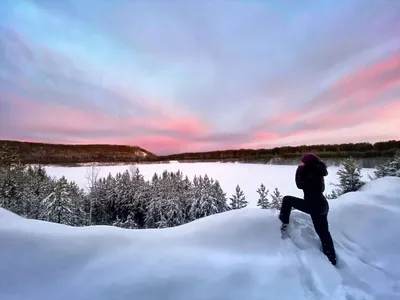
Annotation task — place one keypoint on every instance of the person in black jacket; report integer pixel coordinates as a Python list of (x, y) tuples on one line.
[(310, 178)]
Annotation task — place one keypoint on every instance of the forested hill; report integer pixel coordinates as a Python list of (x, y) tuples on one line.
[(72, 154), (356, 150)]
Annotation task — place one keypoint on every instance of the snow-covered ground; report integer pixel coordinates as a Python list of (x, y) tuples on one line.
[(248, 176), (233, 255)]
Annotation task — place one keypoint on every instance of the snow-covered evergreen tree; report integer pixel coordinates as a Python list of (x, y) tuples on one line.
[(238, 200), (203, 202), (155, 179), (9, 158), (390, 167), (263, 201), (220, 197), (333, 195), (129, 223), (165, 208), (92, 175), (110, 199), (12, 176), (101, 205), (58, 206), (154, 213), (173, 212), (12, 195), (276, 201), (37, 186), (124, 195), (350, 178), (141, 197), (186, 191), (77, 196)]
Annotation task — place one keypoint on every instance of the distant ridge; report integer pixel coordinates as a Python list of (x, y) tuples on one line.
[(357, 150), (48, 153)]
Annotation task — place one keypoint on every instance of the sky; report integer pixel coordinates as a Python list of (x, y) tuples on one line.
[(181, 76)]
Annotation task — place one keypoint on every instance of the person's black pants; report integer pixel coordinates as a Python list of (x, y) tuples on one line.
[(320, 222)]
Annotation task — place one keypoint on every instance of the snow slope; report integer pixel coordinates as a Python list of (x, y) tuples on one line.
[(233, 255), (248, 176)]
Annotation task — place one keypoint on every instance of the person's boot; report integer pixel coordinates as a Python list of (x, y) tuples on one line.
[(284, 231), (329, 254)]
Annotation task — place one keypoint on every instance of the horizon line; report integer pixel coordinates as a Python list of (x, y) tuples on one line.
[(178, 153)]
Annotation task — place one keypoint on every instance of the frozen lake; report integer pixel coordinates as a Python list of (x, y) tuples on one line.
[(248, 176)]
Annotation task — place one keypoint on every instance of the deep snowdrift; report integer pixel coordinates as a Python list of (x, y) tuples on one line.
[(234, 255)]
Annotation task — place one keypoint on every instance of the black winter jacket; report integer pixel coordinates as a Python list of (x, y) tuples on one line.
[(310, 179)]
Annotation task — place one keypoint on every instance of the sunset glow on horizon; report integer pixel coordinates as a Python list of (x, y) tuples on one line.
[(185, 76)]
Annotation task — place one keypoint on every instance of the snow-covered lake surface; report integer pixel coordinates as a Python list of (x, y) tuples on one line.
[(234, 255), (248, 176)]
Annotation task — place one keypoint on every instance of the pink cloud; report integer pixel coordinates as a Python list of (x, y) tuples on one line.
[(353, 102), (367, 84), (284, 118), (55, 119), (362, 125), (359, 78), (389, 111), (265, 136), (160, 144)]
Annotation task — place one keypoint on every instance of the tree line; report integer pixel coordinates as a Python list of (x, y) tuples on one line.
[(356, 150), (42, 153)]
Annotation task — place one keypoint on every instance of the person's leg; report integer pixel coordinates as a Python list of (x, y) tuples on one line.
[(289, 202), (322, 228)]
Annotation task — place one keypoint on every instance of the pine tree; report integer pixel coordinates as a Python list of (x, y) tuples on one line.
[(37, 186), (110, 199), (124, 195), (78, 199), (129, 223), (173, 212), (98, 196), (349, 177), (154, 213), (390, 167), (12, 181), (219, 196), (165, 208), (92, 175), (263, 200), (203, 202), (58, 206), (155, 179), (333, 195), (186, 192), (238, 200), (141, 197), (394, 166), (276, 201), (9, 158), (12, 193)]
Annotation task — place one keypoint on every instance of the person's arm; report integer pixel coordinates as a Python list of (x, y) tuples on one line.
[(299, 177)]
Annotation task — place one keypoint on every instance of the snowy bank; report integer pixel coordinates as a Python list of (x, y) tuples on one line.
[(233, 255)]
